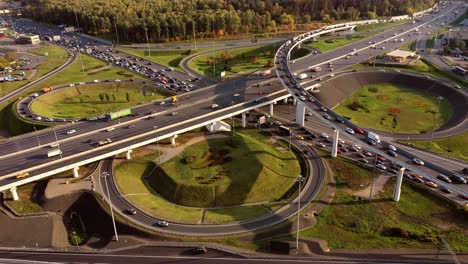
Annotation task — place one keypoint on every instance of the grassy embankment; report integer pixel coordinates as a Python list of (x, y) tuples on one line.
[(414, 222), (85, 100), (393, 108), (220, 172)]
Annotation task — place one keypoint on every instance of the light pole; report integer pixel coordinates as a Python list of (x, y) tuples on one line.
[(232, 103), (56, 141), (372, 178), (147, 40), (299, 180), (37, 136), (157, 144), (116, 32), (290, 124), (439, 98), (104, 175)]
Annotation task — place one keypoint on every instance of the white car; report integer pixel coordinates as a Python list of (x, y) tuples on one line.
[(236, 95), (418, 161), (381, 166), (302, 98), (162, 223), (350, 131), (392, 148), (116, 80), (109, 129), (69, 132), (457, 86)]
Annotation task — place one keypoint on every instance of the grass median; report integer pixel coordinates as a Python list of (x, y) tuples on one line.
[(394, 108), (454, 146), (416, 221), (94, 99)]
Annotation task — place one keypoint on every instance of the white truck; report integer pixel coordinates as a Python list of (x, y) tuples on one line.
[(302, 76), (54, 153), (373, 136)]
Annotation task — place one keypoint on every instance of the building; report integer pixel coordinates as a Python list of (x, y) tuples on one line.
[(28, 39), (401, 55)]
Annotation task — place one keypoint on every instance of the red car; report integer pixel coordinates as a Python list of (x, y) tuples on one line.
[(380, 158), (339, 152), (464, 197), (359, 130)]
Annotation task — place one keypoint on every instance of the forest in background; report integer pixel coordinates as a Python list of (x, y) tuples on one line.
[(173, 20)]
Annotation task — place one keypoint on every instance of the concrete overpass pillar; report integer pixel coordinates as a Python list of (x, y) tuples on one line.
[(210, 128), (244, 120), (397, 190), (285, 100), (173, 139), (294, 101), (14, 194), (128, 155), (75, 172), (334, 150), (271, 109), (300, 113)]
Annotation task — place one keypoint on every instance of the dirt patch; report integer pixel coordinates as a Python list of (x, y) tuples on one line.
[(214, 157), (421, 104), (378, 186)]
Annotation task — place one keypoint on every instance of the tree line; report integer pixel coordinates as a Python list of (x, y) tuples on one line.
[(172, 20)]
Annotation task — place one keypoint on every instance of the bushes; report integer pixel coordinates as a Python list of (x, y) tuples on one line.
[(402, 233)]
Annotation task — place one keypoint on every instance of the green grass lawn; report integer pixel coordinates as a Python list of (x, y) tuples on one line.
[(27, 203), (56, 57), (84, 100), (409, 46), (431, 39), (419, 214), (454, 146), (169, 58), (235, 62), (227, 215), (377, 26), (389, 107), (328, 44), (93, 69), (222, 172)]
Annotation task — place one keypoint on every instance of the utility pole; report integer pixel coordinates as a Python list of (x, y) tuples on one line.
[(104, 175), (37, 136), (299, 180), (372, 178), (116, 32), (439, 98), (157, 144), (147, 40), (232, 103)]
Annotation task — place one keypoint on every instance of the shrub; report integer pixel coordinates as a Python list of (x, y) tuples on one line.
[(373, 89)]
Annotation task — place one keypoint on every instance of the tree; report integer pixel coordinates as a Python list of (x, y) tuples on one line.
[(127, 96), (327, 19), (101, 96), (113, 97), (107, 97)]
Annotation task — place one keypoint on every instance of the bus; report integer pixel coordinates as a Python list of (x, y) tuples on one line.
[(285, 131), (459, 70), (118, 114)]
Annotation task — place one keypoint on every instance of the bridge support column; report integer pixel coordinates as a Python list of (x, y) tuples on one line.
[(173, 139), (285, 100), (300, 113), (271, 109), (334, 150), (210, 128), (75, 172), (397, 190), (244, 120), (14, 194), (294, 101), (128, 155)]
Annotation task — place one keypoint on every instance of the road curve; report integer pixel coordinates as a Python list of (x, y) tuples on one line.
[(309, 192)]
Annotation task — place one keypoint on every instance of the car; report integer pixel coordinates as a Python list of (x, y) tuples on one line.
[(174, 113), (444, 178), (323, 135), (69, 132), (299, 137), (456, 86), (357, 150), (340, 120), (367, 153), (364, 161), (131, 211), (446, 190), (407, 176), (350, 130), (323, 109), (381, 166), (391, 147), (163, 223), (418, 161), (109, 129), (199, 250), (311, 99), (418, 180), (464, 197), (458, 179), (22, 175), (380, 158), (344, 149), (360, 155), (359, 130), (339, 152), (432, 184), (393, 171), (302, 98), (392, 153), (371, 142), (327, 116), (236, 95), (320, 144)]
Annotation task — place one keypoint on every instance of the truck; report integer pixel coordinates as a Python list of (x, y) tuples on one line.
[(373, 136), (302, 76), (118, 114), (56, 38), (214, 106), (104, 142), (54, 153), (47, 89)]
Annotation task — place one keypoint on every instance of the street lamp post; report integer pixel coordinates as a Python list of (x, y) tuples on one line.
[(439, 98), (147, 41), (300, 178), (232, 103), (157, 144), (372, 178), (37, 136), (104, 175), (290, 124), (56, 141)]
